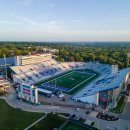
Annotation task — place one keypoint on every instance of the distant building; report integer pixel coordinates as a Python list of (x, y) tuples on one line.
[(47, 50), (31, 59), (4, 84)]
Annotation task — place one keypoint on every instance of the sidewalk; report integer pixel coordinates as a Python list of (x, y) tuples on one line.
[(35, 122)]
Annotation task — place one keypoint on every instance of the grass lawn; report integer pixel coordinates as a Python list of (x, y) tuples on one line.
[(50, 122), (15, 119), (74, 126), (74, 79), (64, 114), (2, 93), (120, 106)]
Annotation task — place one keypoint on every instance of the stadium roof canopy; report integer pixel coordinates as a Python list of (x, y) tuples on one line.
[(103, 83)]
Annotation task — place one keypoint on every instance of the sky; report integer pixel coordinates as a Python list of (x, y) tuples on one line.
[(64, 20)]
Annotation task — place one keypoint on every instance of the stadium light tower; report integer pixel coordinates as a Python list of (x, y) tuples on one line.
[(5, 66), (114, 72), (128, 57)]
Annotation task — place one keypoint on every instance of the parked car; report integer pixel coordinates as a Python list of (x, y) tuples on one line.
[(61, 95), (87, 112), (77, 109)]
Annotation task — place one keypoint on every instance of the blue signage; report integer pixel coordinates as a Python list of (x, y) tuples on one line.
[(19, 88), (33, 92), (26, 86)]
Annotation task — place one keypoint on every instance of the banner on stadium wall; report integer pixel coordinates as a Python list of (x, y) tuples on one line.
[(103, 99), (104, 95), (33, 92), (26, 91), (26, 86), (19, 88)]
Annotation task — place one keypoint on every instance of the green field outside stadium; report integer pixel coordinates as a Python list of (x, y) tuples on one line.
[(73, 81), (74, 126)]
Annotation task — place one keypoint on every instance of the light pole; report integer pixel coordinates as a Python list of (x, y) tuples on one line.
[(114, 71), (98, 126), (128, 56), (5, 66)]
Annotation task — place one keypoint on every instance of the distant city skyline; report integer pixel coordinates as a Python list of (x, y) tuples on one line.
[(65, 20)]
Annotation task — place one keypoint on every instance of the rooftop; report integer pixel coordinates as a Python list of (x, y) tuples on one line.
[(103, 83)]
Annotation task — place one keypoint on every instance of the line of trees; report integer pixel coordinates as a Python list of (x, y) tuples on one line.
[(103, 54), (73, 52)]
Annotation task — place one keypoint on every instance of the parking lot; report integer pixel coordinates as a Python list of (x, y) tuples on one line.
[(64, 101)]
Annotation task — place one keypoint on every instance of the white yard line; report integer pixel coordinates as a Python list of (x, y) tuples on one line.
[(70, 73), (64, 76), (35, 122), (82, 82), (59, 77), (61, 127)]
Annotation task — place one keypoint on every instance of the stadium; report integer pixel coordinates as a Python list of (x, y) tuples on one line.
[(88, 82)]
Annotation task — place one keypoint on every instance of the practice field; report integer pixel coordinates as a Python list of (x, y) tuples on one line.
[(74, 126), (50, 122), (70, 82)]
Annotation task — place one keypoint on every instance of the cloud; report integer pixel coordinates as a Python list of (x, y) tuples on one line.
[(9, 22), (34, 26), (24, 3), (75, 21), (32, 22), (101, 33), (50, 5), (57, 22), (54, 26)]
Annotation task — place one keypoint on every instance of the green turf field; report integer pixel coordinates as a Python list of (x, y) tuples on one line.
[(50, 122), (73, 126), (73, 80), (15, 119)]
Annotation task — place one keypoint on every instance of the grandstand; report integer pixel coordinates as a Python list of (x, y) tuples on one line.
[(102, 88), (70, 77), (37, 72)]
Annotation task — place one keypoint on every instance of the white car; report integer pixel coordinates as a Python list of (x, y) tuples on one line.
[(77, 109), (61, 95)]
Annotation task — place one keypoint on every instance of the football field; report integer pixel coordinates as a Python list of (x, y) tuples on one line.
[(70, 82)]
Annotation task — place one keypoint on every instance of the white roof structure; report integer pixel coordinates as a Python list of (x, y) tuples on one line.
[(103, 83), (44, 91)]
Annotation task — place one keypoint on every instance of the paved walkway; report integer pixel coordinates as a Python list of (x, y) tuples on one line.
[(35, 122), (113, 125)]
